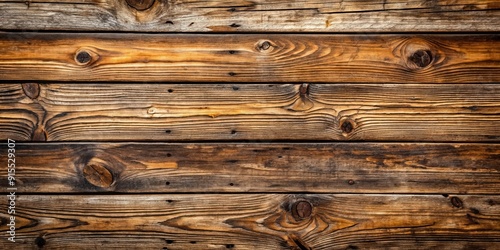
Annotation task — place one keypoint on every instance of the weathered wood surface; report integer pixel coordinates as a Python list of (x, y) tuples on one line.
[(184, 112), (250, 58), (257, 167), (256, 221), (251, 16)]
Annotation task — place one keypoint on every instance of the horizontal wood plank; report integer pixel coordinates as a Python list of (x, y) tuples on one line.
[(256, 167), (254, 16), (250, 58), (230, 112), (255, 221)]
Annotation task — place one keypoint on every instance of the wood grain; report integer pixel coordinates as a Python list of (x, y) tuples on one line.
[(236, 112), (256, 167), (254, 221), (253, 16), (250, 58)]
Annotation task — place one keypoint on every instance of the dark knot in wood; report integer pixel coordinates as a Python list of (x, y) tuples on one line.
[(301, 210), (347, 126), (304, 89), (40, 242), (264, 45), (456, 202), (31, 90), (421, 58), (98, 175), (83, 57), (140, 4)]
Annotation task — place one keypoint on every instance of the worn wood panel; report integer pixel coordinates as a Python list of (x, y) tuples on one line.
[(253, 16), (257, 167), (255, 221), (250, 58), (183, 112)]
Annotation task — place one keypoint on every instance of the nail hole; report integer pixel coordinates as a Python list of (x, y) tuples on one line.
[(232, 52), (170, 90), (445, 195), (169, 155), (233, 132), (232, 9), (169, 22), (351, 182), (167, 183), (170, 201), (169, 241), (231, 73), (229, 245), (192, 242), (168, 131), (231, 184), (279, 156), (234, 25)]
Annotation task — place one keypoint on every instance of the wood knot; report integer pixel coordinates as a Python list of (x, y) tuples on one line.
[(457, 202), (421, 58), (264, 45), (304, 89), (302, 210), (85, 57), (347, 126), (140, 5), (31, 90), (40, 242), (98, 175), (39, 134)]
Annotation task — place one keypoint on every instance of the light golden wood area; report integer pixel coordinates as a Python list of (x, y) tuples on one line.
[(250, 58)]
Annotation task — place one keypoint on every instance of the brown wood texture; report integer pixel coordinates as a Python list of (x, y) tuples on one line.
[(251, 16), (256, 167), (250, 58), (230, 112), (256, 221)]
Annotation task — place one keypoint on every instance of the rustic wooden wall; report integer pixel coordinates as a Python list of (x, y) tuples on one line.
[(277, 124)]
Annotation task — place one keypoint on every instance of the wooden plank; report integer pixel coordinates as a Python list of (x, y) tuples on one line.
[(250, 58), (255, 221), (256, 167), (230, 112), (254, 16)]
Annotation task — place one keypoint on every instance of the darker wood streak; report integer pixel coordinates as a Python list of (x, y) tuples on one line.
[(257, 167)]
